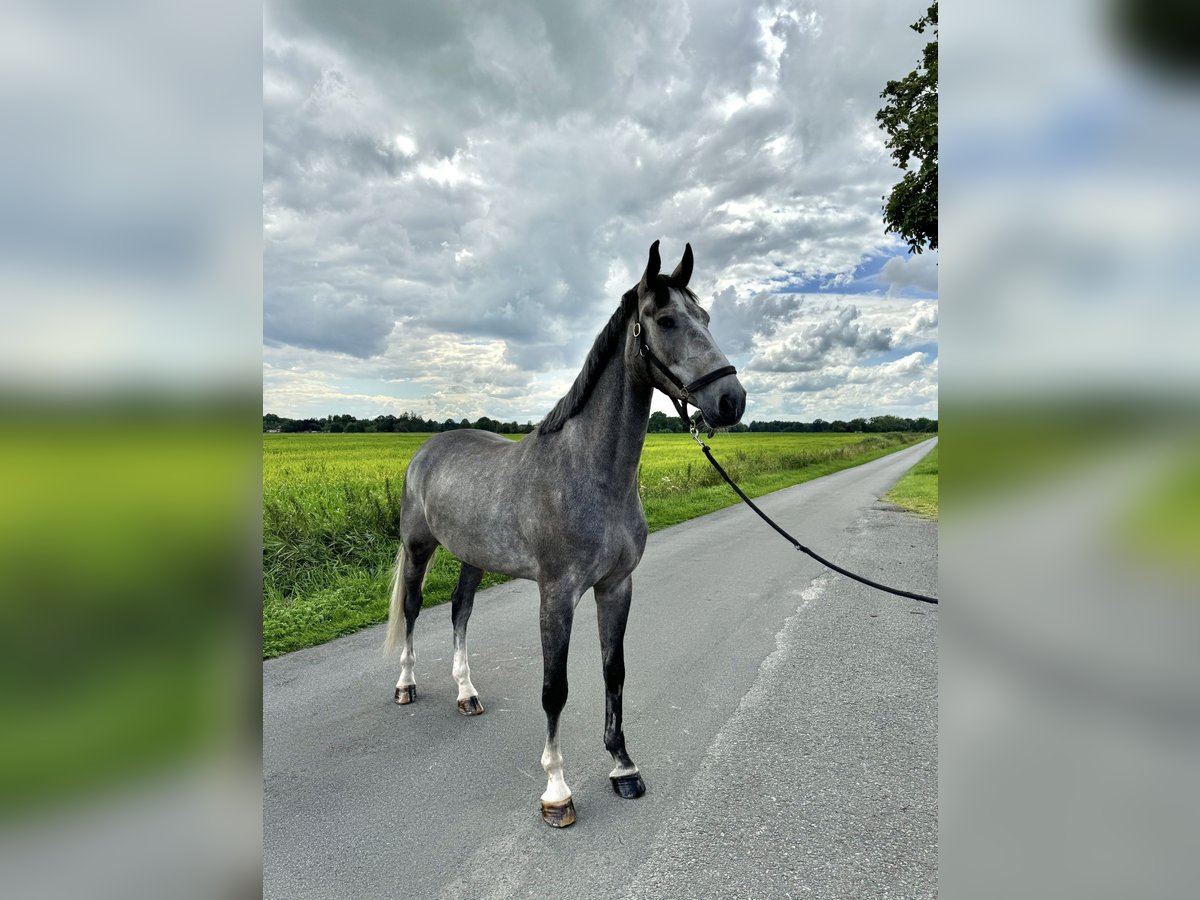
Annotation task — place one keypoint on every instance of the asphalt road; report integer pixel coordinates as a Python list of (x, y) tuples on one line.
[(784, 719)]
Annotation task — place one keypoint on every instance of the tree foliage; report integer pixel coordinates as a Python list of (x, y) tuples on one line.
[(660, 423), (873, 425), (910, 118)]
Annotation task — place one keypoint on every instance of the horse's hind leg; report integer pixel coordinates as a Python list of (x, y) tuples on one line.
[(462, 603), (612, 612), (407, 593), (557, 612)]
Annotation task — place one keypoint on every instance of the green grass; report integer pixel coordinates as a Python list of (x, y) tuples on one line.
[(1162, 527), (918, 489), (331, 513)]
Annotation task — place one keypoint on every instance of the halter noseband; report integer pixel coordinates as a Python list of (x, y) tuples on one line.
[(680, 405)]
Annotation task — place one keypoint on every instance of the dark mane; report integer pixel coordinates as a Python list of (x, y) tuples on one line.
[(608, 343)]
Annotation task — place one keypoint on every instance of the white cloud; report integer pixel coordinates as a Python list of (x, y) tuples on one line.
[(839, 335), (921, 326), (495, 177), (903, 387), (918, 271), (835, 357)]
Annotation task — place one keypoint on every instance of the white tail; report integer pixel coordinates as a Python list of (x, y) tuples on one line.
[(396, 619), (396, 609)]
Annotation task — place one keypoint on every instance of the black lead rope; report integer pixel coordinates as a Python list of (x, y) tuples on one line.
[(799, 546), (691, 426)]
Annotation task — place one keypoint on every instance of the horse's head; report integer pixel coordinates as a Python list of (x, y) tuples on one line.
[(673, 326)]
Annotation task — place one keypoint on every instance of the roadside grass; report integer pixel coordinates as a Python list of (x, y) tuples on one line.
[(1000, 448), (331, 513), (997, 447), (918, 489), (1162, 527)]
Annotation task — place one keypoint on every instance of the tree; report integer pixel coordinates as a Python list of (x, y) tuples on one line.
[(661, 423), (910, 118), (888, 423)]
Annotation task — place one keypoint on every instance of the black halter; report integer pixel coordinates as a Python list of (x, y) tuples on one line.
[(680, 405)]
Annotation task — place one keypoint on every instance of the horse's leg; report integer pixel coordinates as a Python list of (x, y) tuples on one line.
[(462, 602), (612, 612), (411, 579), (557, 612)]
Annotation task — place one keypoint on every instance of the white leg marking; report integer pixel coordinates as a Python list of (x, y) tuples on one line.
[(462, 672), (623, 770), (556, 787), (407, 660)]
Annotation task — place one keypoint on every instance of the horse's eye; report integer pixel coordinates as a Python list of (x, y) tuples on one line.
[(666, 322)]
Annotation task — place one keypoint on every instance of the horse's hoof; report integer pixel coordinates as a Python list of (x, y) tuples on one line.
[(406, 695), (559, 815), (628, 786), (470, 707)]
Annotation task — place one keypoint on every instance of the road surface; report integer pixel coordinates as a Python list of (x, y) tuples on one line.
[(784, 719)]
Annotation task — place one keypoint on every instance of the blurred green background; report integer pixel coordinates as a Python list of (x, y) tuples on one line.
[(128, 539)]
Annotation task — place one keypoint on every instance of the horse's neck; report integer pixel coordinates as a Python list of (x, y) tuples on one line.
[(612, 424)]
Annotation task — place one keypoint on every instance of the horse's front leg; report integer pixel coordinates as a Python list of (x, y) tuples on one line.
[(557, 611), (612, 612)]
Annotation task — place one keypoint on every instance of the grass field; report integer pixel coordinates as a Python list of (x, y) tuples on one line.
[(918, 489), (331, 513)]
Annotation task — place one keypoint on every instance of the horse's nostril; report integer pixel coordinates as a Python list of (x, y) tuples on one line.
[(726, 407)]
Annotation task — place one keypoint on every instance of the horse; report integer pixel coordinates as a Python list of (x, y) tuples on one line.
[(561, 507)]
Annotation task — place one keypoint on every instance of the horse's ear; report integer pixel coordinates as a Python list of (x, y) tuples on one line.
[(653, 264), (683, 272)]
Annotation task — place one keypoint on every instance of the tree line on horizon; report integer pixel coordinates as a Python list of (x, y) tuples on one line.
[(404, 423), (660, 423)]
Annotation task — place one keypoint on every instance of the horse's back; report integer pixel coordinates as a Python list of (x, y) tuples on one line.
[(468, 487), (449, 442)]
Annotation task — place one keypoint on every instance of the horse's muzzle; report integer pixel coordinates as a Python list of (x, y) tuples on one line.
[(722, 402)]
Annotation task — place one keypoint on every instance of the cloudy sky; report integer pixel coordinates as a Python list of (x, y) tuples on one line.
[(456, 195)]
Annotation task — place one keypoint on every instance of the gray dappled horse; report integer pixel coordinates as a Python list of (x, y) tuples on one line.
[(561, 506)]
